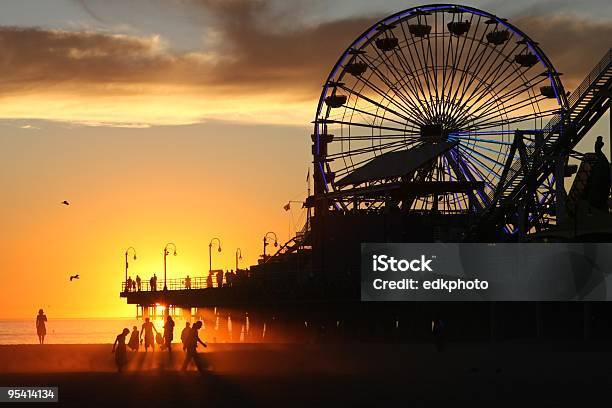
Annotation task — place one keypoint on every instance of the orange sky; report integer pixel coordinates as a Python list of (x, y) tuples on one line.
[(141, 188), (175, 121)]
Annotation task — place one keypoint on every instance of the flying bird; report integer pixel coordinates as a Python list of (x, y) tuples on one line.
[(65, 202), (74, 277)]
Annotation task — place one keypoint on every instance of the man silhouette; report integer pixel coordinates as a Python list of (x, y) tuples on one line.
[(169, 333), (191, 348), (185, 335), (147, 330)]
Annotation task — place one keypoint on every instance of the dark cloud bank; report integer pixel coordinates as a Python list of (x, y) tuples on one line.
[(257, 55)]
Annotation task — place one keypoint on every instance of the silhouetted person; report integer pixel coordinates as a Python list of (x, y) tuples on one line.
[(191, 348), (169, 333), (120, 350), (128, 284), (185, 335), (154, 282), (219, 279), (209, 282), (599, 186), (138, 282), (134, 343), (147, 329), (187, 282), (41, 327)]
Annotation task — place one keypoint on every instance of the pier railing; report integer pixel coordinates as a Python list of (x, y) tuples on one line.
[(199, 282), (173, 284)]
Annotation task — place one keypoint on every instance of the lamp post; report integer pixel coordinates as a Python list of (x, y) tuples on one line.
[(238, 257), (126, 260), (210, 245), (166, 253), (265, 242)]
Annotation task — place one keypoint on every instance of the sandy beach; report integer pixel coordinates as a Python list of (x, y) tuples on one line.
[(318, 375)]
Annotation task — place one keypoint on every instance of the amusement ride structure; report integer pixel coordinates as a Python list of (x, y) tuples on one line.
[(440, 123)]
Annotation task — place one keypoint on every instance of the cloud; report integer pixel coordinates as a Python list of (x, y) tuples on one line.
[(573, 44), (253, 66)]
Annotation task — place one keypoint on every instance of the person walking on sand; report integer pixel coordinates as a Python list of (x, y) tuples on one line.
[(120, 350), (168, 333), (185, 335), (192, 345), (147, 330), (41, 328), (134, 343), (138, 282)]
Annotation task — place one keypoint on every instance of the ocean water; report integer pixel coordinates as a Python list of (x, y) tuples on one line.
[(73, 331)]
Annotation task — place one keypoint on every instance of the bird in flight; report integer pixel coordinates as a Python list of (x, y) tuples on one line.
[(65, 202), (74, 277)]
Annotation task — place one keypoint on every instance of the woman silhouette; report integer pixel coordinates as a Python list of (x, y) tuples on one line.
[(120, 350), (41, 328)]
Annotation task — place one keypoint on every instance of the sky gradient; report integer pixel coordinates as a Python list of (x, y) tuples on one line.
[(178, 121)]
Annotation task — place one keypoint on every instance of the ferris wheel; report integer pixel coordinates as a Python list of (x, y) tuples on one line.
[(432, 96)]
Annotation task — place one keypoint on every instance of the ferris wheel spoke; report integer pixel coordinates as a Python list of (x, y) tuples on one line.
[(375, 116), (384, 58), (422, 67), (434, 62), (478, 146), (384, 136), (468, 138), (483, 86), (467, 170), (428, 72), (511, 94), (392, 69), (500, 109), (508, 91), (474, 151), (349, 123), (503, 122), (456, 60), (467, 62), (371, 85), (417, 82), (406, 68), (476, 79), (410, 104), (411, 121), (473, 165), (493, 119)]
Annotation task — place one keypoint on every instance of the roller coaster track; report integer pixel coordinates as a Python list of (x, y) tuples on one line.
[(534, 163)]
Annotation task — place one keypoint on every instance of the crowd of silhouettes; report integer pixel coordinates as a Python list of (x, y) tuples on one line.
[(217, 279), (189, 339), (153, 283)]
